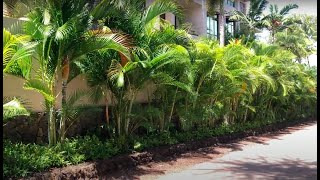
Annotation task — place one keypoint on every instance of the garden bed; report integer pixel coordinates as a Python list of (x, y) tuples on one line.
[(98, 168)]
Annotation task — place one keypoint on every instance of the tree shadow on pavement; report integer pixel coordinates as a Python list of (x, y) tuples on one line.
[(261, 168)]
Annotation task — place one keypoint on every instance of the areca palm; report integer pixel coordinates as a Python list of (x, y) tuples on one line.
[(276, 20), (289, 78), (63, 30), (300, 36), (19, 8), (17, 52), (253, 20), (138, 22)]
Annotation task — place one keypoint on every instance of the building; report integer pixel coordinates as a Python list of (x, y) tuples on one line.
[(196, 15), (202, 24)]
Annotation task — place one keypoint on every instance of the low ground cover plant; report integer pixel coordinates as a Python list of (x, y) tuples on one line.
[(20, 160)]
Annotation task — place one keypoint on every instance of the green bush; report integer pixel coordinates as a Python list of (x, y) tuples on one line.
[(21, 159)]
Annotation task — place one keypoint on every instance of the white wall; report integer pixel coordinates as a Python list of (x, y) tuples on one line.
[(13, 86)]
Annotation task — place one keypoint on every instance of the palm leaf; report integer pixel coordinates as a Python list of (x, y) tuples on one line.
[(14, 108), (159, 7), (285, 10), (41, 87)]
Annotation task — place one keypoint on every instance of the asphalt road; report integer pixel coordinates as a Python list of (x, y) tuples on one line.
[(290, 156)]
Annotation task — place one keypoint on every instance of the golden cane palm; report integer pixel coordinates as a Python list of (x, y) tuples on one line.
[(63, 40)]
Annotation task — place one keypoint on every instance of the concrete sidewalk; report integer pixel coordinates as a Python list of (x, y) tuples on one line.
[(290, 156)]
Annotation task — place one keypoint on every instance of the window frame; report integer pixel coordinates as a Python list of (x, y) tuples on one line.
[(212, 26)]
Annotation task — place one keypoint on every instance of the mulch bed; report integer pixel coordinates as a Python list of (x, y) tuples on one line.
[(100, 168)]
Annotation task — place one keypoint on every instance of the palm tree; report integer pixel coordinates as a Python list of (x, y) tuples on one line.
[(221, 22), (19, 8), (63, 30), (17, 52), (277, 20), (253, 20), (296, 42), (212, 4), (138, 22), (300, 36)]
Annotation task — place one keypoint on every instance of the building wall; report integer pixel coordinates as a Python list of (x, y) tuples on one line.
[(195, 13), (13, 86)]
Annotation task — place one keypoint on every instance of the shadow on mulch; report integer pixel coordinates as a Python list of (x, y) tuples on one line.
[(116, 167)]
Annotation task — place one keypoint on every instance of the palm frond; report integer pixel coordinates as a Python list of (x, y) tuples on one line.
[(14, 108), (115, 73), (285, 10), (41, 87), (102, 42), (159, 7)]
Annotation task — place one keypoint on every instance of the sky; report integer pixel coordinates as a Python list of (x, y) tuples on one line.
[(305, 7)]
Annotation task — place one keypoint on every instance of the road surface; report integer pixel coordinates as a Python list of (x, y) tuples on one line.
[(290, 156)]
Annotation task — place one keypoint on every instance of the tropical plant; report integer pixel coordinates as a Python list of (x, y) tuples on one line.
[(13, 107), (251, 22), (17, 52), (300, 36), (276, 20), (19, 8), (152, 49), (64, 33)]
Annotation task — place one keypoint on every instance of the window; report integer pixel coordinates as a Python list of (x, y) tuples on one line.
[(230, 3), (230, 27), (242, 7), (212, 26), (163, 16), (175, 22)]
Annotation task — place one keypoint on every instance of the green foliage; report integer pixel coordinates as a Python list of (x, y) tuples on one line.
[(201, 90), (21, 159), (14, 108)]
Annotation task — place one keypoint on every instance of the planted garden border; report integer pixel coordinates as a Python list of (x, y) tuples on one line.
[(98, 168)]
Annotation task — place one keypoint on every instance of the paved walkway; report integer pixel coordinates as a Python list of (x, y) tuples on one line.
[(291, 156)]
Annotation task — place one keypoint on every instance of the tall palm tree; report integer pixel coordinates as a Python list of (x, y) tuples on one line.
[(253, 20), (276, 20), (212, 9), (221, 22), (139, 23), (64, 32)]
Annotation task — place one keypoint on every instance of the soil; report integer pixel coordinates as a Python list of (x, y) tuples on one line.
[(168, 159)]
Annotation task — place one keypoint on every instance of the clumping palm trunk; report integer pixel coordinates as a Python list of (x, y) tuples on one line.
[(129, 114), (221, 23), (65, 76), (52, 127)]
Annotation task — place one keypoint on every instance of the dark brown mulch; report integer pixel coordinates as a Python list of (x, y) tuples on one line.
[(101, 168)]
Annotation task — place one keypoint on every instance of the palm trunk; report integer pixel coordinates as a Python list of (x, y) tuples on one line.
[(65, 76), (124, 59), (118, 122), (273, 35), (107, 109), (52, 127), (129, 113), (245, 115), (149, 105), (162, 118), (172, 107), (221, 23)]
